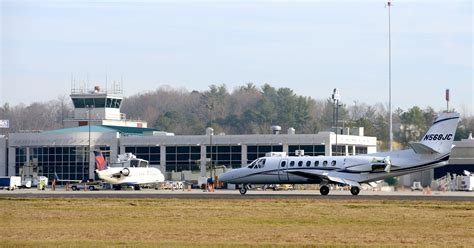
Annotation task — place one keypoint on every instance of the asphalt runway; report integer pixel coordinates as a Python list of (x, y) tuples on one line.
[(234, 194)]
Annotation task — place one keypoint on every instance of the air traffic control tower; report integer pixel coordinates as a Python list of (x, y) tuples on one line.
[(99, 107)]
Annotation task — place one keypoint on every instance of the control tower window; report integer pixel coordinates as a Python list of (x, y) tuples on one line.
[(78, 102), (99, 102), (113, 103), (89, 102), (108, 103)]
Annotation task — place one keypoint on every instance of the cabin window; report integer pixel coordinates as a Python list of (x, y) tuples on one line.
[(292, 163), (283, 163), (300, 163), (325, 163), (316, 163), (333, 163), (308, 163)]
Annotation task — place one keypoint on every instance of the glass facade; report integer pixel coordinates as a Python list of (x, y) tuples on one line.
[(149, 153), (361, 150), (179, 158), (309, 150), (339, 150), (68, 162), (254, 152), (20, 159), (229, 156), (72, 162)]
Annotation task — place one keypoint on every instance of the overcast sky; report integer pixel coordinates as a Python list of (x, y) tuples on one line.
[(309, 46)]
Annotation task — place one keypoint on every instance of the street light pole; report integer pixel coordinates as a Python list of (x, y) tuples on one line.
[(389, 4), (89, 108), (336, 97), (210, 106)]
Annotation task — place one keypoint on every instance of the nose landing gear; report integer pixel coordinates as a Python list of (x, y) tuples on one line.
[(243, 189)]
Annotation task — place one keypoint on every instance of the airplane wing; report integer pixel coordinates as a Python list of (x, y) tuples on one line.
[(328, 176)]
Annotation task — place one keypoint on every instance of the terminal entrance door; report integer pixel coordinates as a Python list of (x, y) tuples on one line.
[(283, 170)]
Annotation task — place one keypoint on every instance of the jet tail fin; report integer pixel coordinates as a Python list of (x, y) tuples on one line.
[(99, 161), (440, 136)]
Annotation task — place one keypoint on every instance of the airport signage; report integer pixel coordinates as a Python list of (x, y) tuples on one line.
[(4, 123)]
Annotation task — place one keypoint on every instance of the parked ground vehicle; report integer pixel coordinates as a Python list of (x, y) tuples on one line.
[(88, 185), (278, 187), (10, 183)]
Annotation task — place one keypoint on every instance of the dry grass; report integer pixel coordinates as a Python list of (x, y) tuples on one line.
[(204, 223)]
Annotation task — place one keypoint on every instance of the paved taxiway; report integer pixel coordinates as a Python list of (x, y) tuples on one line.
[(234, 194)]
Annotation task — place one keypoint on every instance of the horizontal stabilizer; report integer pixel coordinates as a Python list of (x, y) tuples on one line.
[(421, 148)]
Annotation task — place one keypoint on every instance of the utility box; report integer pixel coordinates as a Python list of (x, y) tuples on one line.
[(467, 183)]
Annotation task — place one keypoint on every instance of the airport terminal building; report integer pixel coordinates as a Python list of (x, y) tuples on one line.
[(98, 125), (66, 151)]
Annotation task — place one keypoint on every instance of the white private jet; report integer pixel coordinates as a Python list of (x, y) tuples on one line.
[(432, 151), (129, 171)]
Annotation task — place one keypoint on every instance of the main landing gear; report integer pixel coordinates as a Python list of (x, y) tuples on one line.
[(324, 189), (355, 190), (243, 189)]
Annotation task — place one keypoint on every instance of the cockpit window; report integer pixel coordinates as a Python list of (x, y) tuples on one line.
[(257, 164), (250, 166), (134, 163), (260, 163)]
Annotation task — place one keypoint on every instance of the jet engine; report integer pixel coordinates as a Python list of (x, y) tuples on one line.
[(125, 172), (366, 163)]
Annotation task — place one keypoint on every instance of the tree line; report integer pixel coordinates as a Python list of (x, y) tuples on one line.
[(247, 109)]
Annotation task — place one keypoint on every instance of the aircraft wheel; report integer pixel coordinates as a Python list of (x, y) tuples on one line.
[(74, 188), (324, 190), (355, 190), (243, 189), (91, 188), (136, 187)]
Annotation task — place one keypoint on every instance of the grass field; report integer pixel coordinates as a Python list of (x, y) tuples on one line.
[(246, 222)]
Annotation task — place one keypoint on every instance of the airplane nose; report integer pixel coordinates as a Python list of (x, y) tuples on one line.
[(225, 177)]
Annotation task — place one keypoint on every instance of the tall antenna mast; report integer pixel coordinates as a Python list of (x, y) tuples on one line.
[(389, 4), (106, 79)]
